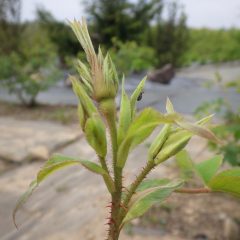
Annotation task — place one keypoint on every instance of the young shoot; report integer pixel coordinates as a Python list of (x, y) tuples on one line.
[(96, 87)]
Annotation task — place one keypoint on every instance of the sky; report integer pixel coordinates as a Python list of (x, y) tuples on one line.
[(201, 13)]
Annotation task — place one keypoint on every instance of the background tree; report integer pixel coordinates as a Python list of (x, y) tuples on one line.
[(59, 33), (29, 70), (169, 36), (111, 19), (10, 12), (143, 22)]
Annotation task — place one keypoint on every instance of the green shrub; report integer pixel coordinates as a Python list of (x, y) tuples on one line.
[(32, 69), (207, 45), (131, 57), (229, 130)]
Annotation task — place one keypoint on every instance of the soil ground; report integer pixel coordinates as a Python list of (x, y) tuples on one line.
[(55, 113)]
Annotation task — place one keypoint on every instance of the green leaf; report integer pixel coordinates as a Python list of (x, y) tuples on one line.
[(149, 118), (141, 127), (169, 106), (207, 169), (100, 56), (85, 100), (150, 183), (81, 31), (23, 199), (110, 75), (143, 200), (185, 163), (227, 181), (198, 130), (81, 115), (136, 94), (125, 115), (85, 75), (55, 163), (95, 133), (205, 120)]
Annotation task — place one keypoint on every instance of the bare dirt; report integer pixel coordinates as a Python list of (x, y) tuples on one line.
[(66, 115), (209, 217), (71, 205)]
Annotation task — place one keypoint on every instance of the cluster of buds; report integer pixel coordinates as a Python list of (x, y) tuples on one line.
[(97, 85), (172, 140), (99, 76)]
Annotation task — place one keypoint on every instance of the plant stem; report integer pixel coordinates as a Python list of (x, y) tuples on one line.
[(108, 108), (103, 163), (150, 165), (193, 190)]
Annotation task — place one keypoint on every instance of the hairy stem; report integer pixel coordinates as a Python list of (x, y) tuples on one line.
[(103, 163), (108, 108), (150, 165)]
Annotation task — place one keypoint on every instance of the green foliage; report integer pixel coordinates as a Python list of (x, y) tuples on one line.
[(185, 164), (209, 168), (144, 199), (59, 34), (131, 57), (142, 37), (10, 28), (230, 129), (169, 37), (135, 95), (124, 115), (227, 181), (141, 127), (31, 69), (207, 45), (55, 163), (96, 89), (121, 19)]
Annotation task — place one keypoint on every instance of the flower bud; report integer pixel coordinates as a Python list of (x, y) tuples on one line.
[(95, 132), (107, 107), (176, 141), (105, 80), (159, 141), (101, 78)]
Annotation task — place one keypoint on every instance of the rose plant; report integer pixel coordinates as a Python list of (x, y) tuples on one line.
[(96, 89)]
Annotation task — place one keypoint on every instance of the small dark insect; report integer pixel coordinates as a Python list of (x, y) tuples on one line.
[(140, 96)]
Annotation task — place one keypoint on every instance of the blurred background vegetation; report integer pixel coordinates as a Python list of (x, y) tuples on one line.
[(157, 29)]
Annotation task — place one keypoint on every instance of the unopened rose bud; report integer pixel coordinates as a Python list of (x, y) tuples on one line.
[(158, 142), (176, 141), (106, 81), (95, 133)]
